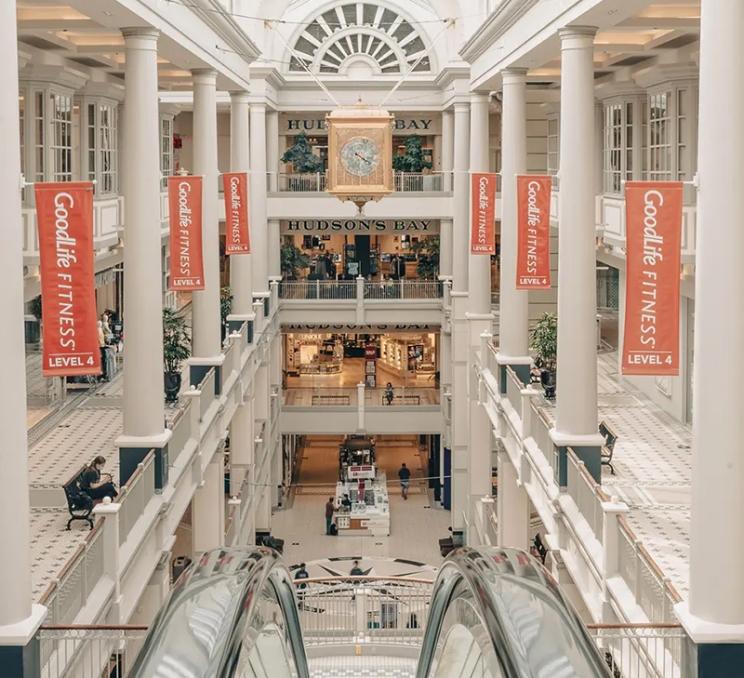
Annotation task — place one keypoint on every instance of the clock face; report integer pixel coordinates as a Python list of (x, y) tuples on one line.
[(360, 156)]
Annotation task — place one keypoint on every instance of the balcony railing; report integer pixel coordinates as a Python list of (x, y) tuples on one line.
[(135, 495), (404, 182), (403, 396), (348, 290)]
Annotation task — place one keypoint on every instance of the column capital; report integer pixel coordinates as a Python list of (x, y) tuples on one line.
[(573, 37), (514, 76), (480, 98), (140, 37), (204, 76), (461, 106), (239, 97)]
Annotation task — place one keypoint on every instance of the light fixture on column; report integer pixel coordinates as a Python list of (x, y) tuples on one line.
[(360, 149)]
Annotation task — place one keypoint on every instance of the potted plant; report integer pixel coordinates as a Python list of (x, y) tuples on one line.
[(226, 299), (544, 342), (176, 349), (303, 161), (427, 254), (292, 260), (412, 160)]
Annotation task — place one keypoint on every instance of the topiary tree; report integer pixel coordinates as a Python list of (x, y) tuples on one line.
[(412, 160), (544, 341), (292, 259), (427, 253), (301, 155)]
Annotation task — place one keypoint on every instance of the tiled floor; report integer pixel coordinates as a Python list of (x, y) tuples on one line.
[(415, 524), (52, 545), (653, 464)]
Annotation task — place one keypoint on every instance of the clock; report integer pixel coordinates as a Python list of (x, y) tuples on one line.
[(360, 154)]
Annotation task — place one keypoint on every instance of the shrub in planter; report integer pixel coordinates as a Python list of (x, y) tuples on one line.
[(176, 349), (544, 342)]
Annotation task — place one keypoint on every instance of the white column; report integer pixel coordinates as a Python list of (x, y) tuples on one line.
[(143, 380), (512, 506), (513, 307), (241, 445), (208, 508), (577, 297), (274, 248), (206, 303), (445, 248), (716, 547), (258, 198), (479, 266), (461, 199), (15, 565), (272, 148), (448, 147), (241, 281)]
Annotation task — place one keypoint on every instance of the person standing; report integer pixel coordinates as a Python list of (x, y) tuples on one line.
[(389, 394), (329, 509), (302, 573), (356, 571), (405, 478)]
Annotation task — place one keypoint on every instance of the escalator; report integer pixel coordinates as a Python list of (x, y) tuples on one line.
[(494, 613)]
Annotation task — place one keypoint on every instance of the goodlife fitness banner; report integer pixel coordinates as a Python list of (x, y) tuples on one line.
[(533, 232), (238, 239), (185, 216), (64, 213), (653, 241), (483, 214)]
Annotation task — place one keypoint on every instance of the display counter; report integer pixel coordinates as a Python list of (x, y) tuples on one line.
[(368, 515)]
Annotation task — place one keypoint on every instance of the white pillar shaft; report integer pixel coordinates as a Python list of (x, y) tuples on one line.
[(143, 381), (241, 446), (577, 297), (512, 508), (448, 147), (206, 303), (513, 308), (272, 148), (274, 248), (208, 509), (15, 565), (479, 266), (461, 186), (258, 198), (716, 548), (241, 281), (445, 247)]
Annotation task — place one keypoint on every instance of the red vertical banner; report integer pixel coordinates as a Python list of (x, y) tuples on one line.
[(483, 213), (238, 240), (533, 232), (185, 216), (64, 214), (653, 217)]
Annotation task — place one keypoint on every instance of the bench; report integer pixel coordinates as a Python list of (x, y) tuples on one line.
[(410, 399), (339, 399), (606, 431), (79, 504)]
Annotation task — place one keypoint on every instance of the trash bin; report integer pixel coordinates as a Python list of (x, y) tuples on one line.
[(179, 565)]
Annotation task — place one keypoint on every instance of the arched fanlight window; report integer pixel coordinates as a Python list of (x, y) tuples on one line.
[(359, 34)]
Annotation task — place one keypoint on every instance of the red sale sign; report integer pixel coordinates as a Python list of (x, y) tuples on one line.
[(64, 214), (185, 216), (533, 232), (653, 252), (483, 213), (238, 239)]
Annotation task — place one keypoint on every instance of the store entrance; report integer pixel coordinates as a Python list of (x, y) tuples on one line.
[(396, 368)]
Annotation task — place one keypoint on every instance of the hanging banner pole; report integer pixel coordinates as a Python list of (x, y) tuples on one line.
[(483, 213), (653, 257), (185, 218), (64, 214), (237, 240), (533, 232)]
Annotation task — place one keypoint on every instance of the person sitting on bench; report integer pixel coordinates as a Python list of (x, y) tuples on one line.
[(95, 484)]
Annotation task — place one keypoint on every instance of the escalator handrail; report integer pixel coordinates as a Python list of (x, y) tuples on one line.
[(465, 570), (252, 571)]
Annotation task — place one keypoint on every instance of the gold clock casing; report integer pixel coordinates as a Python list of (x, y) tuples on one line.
[(346, 124)]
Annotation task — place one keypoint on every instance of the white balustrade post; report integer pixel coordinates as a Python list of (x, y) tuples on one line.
[(360, 407), (110, 537), (448, 149), (360, 282)]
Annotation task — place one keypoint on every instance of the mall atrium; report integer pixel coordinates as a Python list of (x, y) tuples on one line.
[(372, 338)]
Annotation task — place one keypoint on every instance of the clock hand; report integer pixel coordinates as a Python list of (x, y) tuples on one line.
[(361, 157)]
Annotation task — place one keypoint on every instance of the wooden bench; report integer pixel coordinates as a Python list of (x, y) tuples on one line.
[(606, 431), (79, 504)]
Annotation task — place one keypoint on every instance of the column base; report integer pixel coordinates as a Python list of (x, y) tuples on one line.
[(19, 646), (198, 368), (520, 364), (588, 448), (265, 299), (235, 322), (133, 450), (712, 650)]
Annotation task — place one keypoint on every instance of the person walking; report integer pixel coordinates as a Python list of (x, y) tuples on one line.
[(329, 509), (404, 474)]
